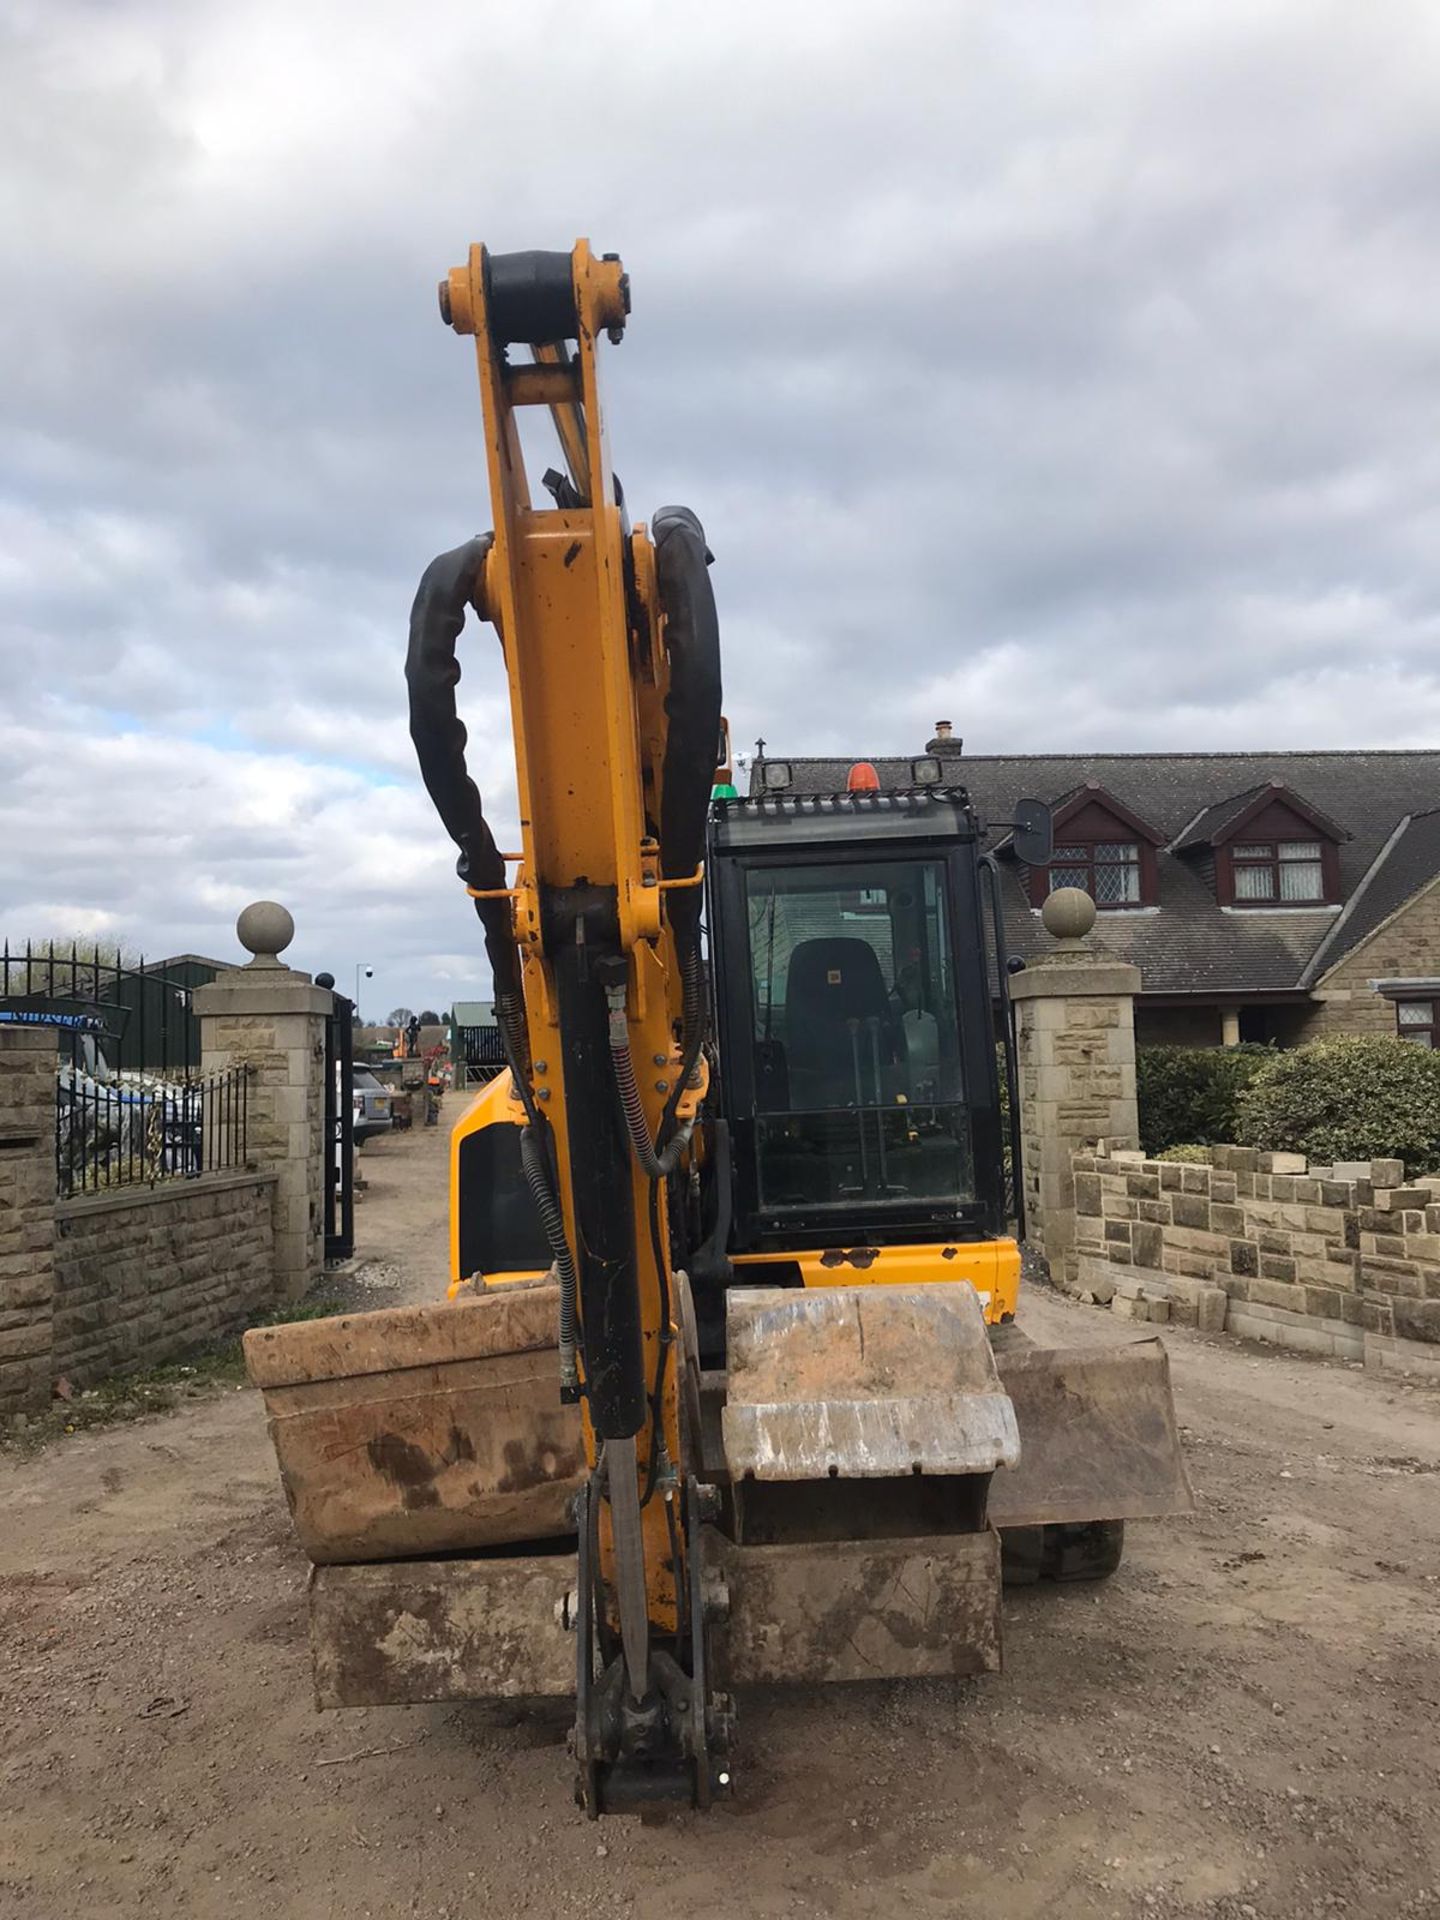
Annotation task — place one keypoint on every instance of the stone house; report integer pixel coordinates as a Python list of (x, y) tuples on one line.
[(1264, 896)]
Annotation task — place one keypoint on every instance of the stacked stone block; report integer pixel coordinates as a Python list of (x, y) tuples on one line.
[(1319, 1258), (272, 1021), (1077, 1083), (141, 1276), (27, 1215)]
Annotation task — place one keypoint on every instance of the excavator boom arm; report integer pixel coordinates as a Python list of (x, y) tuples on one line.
[(612, 661)]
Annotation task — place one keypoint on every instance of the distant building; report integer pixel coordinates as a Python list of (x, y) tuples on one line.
[(475, 1040), (158, 1030)]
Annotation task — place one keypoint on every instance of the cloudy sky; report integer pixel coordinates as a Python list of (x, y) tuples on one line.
[(1068, 371)]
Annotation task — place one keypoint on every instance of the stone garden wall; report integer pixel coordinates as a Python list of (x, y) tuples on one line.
[(144, 1274), (27, 1216), (133, 1274), (122, 1278), (1342, 1261)]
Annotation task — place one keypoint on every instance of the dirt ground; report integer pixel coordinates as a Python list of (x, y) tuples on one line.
[(1245, 1721)]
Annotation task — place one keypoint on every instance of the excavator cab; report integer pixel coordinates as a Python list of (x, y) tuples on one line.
[(857, 1062)]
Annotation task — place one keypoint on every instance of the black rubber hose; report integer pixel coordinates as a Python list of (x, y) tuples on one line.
[(692, 1031), (692, 1036), (510, 1019), (710, 1262), (432, 672), (658, 1166), (692, 707), (536, 1166), (535, 1161), (662, 1348), (659, 1158)]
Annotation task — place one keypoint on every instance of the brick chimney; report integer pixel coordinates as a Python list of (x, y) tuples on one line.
[(945, 745)]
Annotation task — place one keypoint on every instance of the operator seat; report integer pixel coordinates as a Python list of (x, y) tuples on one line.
[(837, 1009)]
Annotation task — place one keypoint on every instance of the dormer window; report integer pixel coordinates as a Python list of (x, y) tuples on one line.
[(1101, 847), (1267, 847), (1279, 871), (1108, 870)]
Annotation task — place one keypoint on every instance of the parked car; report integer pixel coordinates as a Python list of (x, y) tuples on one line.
[(111, 1124), (370, 1101)]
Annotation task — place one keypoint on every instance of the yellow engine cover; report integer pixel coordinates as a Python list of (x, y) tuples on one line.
[(991, 1267)]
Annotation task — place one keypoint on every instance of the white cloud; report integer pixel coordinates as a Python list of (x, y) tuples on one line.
[(1068, 372)]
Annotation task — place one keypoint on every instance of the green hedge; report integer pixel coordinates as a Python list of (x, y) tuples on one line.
[(1350, 1099), (1190, 1094)]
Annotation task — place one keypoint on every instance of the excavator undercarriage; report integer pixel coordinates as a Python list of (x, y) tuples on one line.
[(729, 1389)]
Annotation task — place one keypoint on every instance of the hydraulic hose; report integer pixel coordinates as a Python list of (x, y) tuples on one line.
[(658, 1166), (658, 1158), (510, 1019), (535, 1164), (709, 1263), (432, 671), (692, 709), (692, 1033), (534, 1160)]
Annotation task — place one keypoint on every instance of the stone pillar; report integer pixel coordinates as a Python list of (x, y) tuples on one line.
[(28, 1066), (272, 1019), (1075, 1014)]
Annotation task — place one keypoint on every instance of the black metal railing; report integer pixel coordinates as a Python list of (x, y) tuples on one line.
[(136, 1129), (339, 1138), (480, 1051), (143, 1014)]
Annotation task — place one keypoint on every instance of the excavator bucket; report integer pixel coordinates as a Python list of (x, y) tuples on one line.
[(422, 1430), (873, 1442), (1097, 1436), (862, 1383), (860, 1429)]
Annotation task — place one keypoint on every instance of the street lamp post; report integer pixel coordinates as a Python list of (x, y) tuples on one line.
[(369, 973)]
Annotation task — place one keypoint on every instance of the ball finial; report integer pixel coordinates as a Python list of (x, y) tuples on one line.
[(265, 929), (1068, 913)]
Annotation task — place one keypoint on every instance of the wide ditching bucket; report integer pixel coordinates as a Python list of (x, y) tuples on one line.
[(1097, 1437), (421, 1430), (862, 1383), (860, 1430)]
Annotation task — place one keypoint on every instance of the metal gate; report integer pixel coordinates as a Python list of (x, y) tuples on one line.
[(339, 1137)]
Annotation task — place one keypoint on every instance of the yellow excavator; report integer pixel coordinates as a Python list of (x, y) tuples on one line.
[(728, 1389)]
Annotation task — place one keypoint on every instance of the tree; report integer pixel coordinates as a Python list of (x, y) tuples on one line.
[(400, 1017), (430, 1018), (64, 967)]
